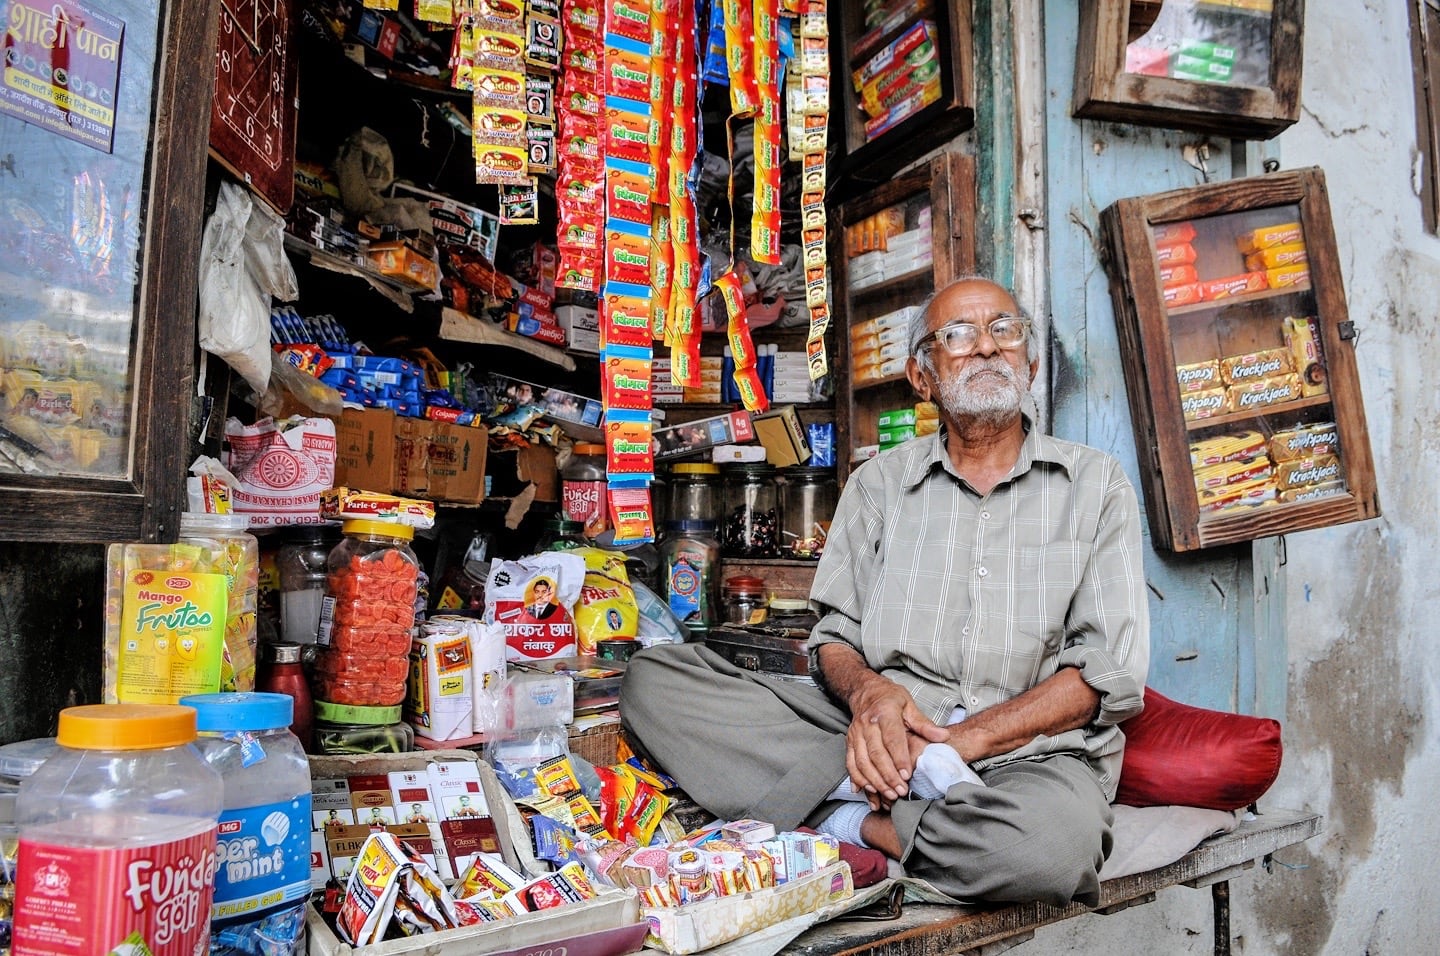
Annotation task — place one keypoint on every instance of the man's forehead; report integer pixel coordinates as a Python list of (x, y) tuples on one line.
[(970, 300)]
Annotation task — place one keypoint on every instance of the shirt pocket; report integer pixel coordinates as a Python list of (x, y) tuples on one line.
[(1045, 588)]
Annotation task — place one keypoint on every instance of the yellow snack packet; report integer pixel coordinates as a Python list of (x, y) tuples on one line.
[(165, 623)]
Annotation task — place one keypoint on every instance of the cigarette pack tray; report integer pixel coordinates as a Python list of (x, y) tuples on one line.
[(699, 926), (592, 920)]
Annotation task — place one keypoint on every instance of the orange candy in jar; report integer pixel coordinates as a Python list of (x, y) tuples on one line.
[(367, 615)]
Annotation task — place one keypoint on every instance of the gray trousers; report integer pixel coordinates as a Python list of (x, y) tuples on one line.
[(741, 744)]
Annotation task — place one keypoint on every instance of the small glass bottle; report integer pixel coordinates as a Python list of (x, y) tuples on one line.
[(689, 572), (582, 488), (126, 789), (301, 566), (262, 872), (751, 526), (807, 506), (368, 615), (745, 600), (560, 533), (282, 673)]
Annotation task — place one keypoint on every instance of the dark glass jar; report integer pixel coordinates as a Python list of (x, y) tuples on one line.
[(751, 527)]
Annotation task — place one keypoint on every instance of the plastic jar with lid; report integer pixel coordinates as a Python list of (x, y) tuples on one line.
[(694, 492), (367, 616), (236, 552), (126, 793), (807, 506), (344, 729), (18, 761), (745, 601), (751, 526), (582, 488), (690, 573), (300, 563), (262, 872)]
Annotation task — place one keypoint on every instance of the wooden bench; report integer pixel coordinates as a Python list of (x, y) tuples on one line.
[(923, 929)]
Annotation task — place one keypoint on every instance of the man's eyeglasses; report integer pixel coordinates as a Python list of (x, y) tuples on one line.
[(959, 339)]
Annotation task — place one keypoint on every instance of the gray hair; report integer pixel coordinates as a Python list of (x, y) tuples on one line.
[(920, 321)]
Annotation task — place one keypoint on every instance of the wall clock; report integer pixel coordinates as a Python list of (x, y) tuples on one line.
[(253, 114)]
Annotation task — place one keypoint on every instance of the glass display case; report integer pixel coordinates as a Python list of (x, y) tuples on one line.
[(905, 82), (1221, 66), (893, 247), (1239, 360), (102, 190)]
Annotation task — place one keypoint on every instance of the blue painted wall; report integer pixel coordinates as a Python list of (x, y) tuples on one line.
[(1201, 603)]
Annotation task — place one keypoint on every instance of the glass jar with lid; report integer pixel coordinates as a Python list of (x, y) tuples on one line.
[(694, 492), (300, 563), (792, 613), (807, 506), (343, 729), (369, 612), (745, 601), (751, 525)]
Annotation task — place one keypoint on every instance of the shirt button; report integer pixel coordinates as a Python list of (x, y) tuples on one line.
[(965, 629), (982, 572), (985, 515), (974, 700)]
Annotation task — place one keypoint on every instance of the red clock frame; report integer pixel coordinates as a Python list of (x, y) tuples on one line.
[(253, 115)]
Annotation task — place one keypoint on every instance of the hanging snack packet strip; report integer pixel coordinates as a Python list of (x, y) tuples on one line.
[(581, 160), (682, 330), (625, 308), (814, 105), (765, 214), (747, 378)]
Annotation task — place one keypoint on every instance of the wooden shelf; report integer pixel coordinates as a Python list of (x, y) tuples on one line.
[(456, 326), (773, 562), (401, 293), (878, 382), (1239, 300), (921, 276), (1295, 406)]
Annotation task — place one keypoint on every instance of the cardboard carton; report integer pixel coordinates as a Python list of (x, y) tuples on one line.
[(365, 449)]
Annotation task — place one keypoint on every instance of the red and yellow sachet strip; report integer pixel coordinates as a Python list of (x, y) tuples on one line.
[(579, 184), (682, 328), (768, 131), (747, 379), (740, 57), (814, 99)]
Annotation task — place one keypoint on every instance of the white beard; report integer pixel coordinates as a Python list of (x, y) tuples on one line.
[(986, 403)]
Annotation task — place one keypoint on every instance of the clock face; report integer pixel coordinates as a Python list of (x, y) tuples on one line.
[(252, 119)]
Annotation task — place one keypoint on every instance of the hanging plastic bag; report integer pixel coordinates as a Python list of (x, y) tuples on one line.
[(242, 264)]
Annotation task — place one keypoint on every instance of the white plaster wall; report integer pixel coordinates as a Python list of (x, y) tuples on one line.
[(1363, 600)]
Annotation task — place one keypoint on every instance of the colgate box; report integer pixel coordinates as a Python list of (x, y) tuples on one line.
[(609, 925)]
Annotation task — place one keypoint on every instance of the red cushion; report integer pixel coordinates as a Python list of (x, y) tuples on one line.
[(1176, 754)]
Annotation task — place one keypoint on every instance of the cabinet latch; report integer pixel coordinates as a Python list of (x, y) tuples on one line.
[(1346, 330)]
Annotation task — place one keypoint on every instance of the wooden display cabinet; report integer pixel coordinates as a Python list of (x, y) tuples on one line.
[(932, 213), (927, 90), (99, 268), (1230, 67), (1236, 344)]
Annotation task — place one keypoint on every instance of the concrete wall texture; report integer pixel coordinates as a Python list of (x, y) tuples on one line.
[(1361, 600)]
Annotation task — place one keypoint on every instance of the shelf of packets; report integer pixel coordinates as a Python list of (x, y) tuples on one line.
[(441, 853)]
